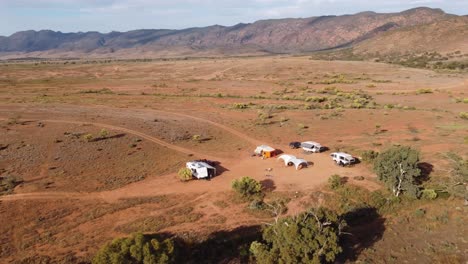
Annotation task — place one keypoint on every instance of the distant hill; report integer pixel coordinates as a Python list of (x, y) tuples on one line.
[(443, 36), (262, 37)]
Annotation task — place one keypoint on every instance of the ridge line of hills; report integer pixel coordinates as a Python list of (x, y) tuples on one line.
[(362, 31)]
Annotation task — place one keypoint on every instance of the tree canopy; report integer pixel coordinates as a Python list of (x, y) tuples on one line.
[(398, 168), (136, 249), (310, 237)]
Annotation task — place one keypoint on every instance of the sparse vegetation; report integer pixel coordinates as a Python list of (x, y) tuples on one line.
[(369, 156), (8, 184), (335, 182)]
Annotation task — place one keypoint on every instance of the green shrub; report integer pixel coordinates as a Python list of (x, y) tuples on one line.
[(335, 182), (247, 187), (420, 212), (310, 237), (103, 133), (398, 168), (428, 194), (463, 115), (185, 174), (136, 249), (88, 137)]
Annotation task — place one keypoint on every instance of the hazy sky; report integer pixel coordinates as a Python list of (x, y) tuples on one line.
[(123, 15)]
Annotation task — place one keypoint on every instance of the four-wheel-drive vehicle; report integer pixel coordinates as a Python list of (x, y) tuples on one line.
[(343, 159), (295, 144), (311, 146)]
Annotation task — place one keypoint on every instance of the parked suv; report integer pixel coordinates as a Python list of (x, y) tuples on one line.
[(295, 145)]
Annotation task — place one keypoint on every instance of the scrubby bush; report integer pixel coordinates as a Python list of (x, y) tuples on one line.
[(335, 182), (398, 168), (424, 91), (136, 249), (247, 187), (310, 237), (369, 155), (463, 115), (88, 137), (8, 184), (428, 194), (459, 176), (240, 106), (185, 174), (103, 133)]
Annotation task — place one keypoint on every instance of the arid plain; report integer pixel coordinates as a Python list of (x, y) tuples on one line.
[(77, 194)]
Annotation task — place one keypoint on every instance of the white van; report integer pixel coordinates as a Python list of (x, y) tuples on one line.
[(311, 146)]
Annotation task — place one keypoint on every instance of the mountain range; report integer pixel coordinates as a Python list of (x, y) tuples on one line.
[(420, 28)]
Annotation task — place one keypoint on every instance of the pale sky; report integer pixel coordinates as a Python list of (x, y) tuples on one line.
[(123, 15)]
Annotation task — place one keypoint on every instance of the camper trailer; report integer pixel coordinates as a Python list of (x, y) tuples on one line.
[(265, 151), (201, 170), (343, 159), (311, 146)]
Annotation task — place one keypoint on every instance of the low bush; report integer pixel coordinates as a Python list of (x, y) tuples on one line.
[(8, 184), (335, 182), (428, 194), (185, 174), (424, 91), (88, 137), (247, 187), (369, 156), (463, 115)]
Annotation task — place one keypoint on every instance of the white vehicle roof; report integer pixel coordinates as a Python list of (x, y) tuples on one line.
[(264, 148), (345, 155), (199, 165), (311, 143)]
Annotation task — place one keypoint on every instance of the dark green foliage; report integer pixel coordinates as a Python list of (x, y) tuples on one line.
[(310, 237), (136, 249), (398, 168), (335, 182), (247, 187)]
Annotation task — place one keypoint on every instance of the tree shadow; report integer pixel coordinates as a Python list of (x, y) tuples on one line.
[(219, 247), (426, 170), (268, 185), (366, 227), (109, 137), (344, 180)]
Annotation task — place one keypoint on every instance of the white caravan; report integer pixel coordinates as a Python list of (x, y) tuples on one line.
[(343, 159)]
